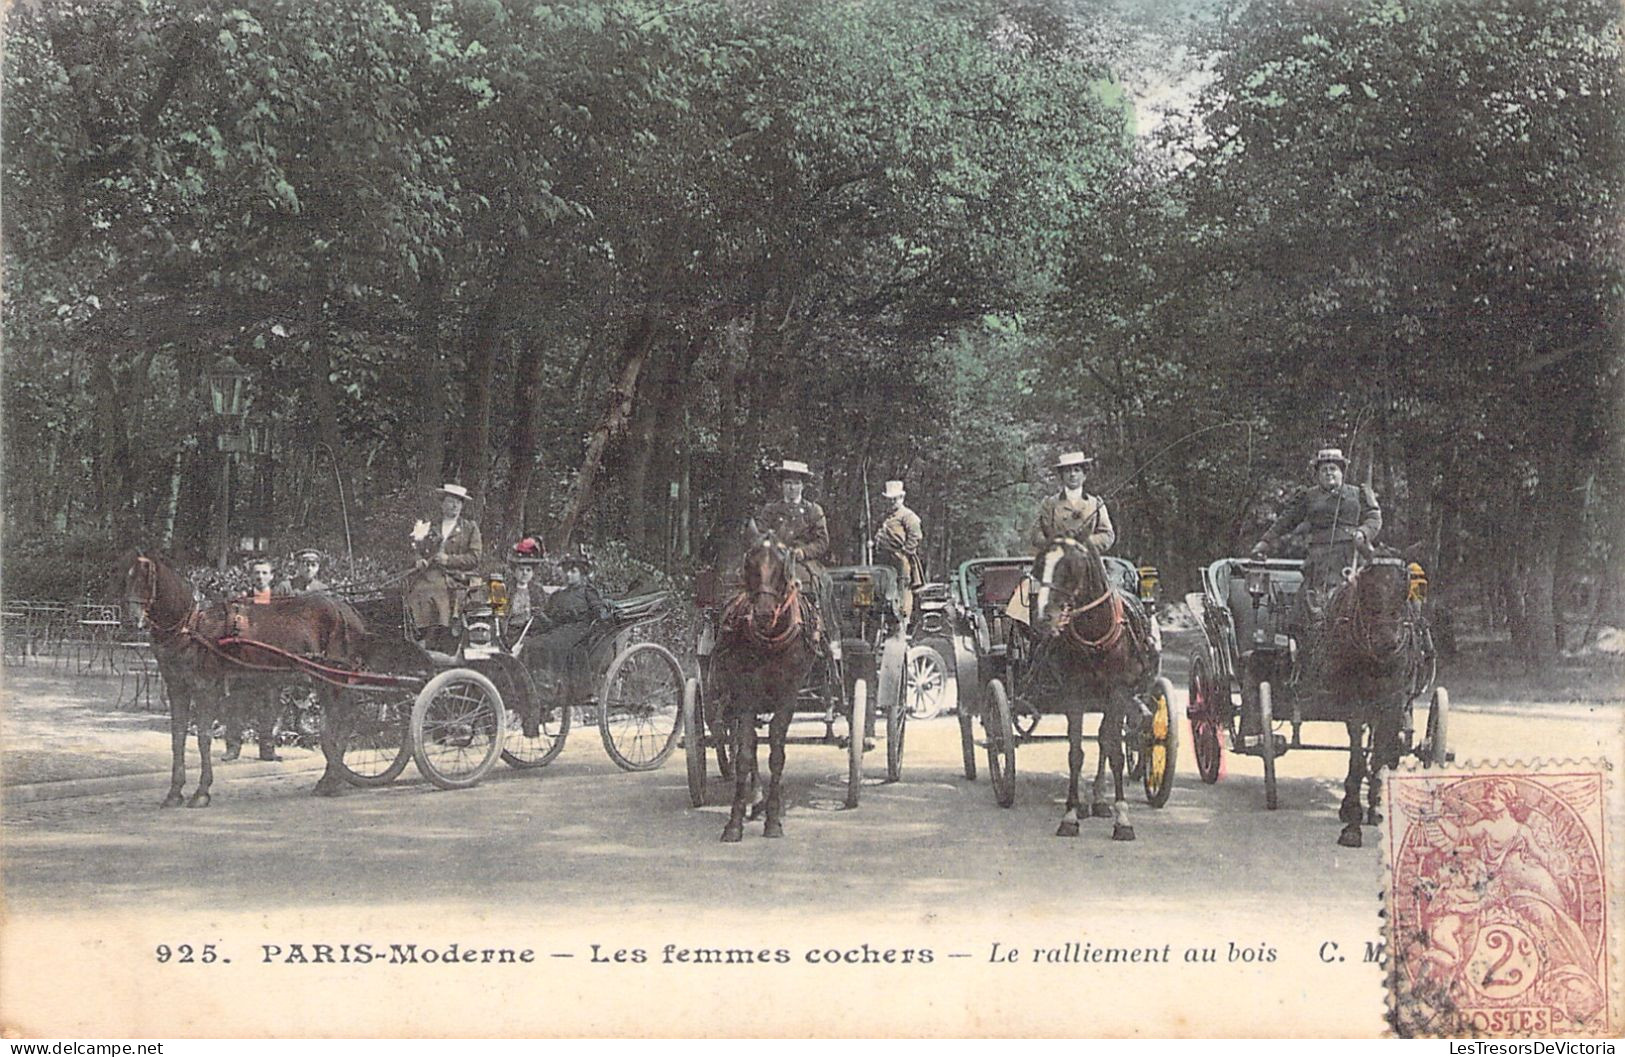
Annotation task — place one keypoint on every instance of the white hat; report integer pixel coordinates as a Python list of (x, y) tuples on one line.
[(1073, 458), (893, 490), (456, 491), (1329, 455), (791, 466)]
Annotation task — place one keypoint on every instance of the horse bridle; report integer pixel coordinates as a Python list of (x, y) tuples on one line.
[(1361, 631), (1068, 615), (789, 604), (149, 570)]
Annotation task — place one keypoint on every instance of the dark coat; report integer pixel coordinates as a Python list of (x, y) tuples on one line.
[(1325, 516), (798, 525)]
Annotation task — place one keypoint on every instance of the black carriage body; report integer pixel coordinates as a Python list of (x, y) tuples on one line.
[(988, 643)]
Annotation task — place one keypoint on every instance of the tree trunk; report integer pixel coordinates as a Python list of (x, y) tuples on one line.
[(523, 442), (475, 438), (634, 351), (430, 372)]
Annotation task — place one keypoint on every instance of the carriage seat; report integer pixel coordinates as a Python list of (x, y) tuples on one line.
[(998, 585), (637, 608)]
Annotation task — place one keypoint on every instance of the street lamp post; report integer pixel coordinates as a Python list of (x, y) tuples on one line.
[(229, 400)]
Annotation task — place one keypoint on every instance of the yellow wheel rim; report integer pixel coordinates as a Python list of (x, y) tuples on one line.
[(1157, 766)]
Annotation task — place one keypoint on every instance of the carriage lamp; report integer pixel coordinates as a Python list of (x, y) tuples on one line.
[(228, 388), (1148, 583), (496, 591), (1258, 581), (863, 592), (1419, 583)]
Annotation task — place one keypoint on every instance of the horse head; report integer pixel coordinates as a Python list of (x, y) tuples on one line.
[(153, 593), (765, 573), (1373, 606), (1069, 575)]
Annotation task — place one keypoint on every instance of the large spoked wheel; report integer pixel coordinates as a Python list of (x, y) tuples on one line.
[(967, 744), (1160, 741), (931, 691), (640, 707), (892, 697), (1436, 749), (375, 735), (1266, 743), (457, 727), (1001, 744), (694, 741), (1203, 712), (854, 743)]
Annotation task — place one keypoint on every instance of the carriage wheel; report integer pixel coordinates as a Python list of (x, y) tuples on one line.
[(457, 728), (854, 742), (694, 741), (892, 696), (376, 738), (931, 691), (1436, 750), (1160, 736), (1203, 712), (967, 745), (640, 707), (1001, 745), (1266, 743)]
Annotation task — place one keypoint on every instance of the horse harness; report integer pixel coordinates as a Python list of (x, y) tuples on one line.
[(237, 627), (1365, 633), (784, 628)]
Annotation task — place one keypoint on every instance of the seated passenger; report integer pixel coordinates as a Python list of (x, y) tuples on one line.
[(527, 555), (566, 618)]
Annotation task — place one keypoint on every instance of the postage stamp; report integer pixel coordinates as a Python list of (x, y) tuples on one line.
[(1502, 901)]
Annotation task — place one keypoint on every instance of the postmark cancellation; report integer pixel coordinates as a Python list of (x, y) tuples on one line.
[(1502, 901)]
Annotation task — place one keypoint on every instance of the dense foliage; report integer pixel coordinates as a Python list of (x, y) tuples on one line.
[(603, 262)]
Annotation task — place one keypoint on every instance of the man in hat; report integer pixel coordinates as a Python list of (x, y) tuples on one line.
[(898, 540), (1335, 520), (307, 581), (1072, 512), (448, 552), (796, 522)]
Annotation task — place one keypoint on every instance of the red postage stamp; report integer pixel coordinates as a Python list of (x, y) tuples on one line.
[(1500, 902)]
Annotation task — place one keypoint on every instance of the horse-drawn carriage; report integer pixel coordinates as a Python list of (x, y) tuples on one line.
[(524, 705), (857, 678), (1252, 676), (386, 699), (1005, 682)]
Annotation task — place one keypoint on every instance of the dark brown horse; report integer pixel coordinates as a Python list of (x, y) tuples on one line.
[(199, 648), (767, 639), (1364, 657), (1097, 643)]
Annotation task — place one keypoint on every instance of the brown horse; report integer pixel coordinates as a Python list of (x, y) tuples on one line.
[(767, 639), (197, 650), (1364, 657), (1097, 643)]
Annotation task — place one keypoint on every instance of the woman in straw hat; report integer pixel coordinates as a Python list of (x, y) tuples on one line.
[(448, 552)]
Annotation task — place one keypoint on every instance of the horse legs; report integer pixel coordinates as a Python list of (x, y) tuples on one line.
[(1349, 811), (744, 740), (777, 732), (1074, 765), (204, 714), (1111, 746), (336, 718), (1384, 754), (180, 713)]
